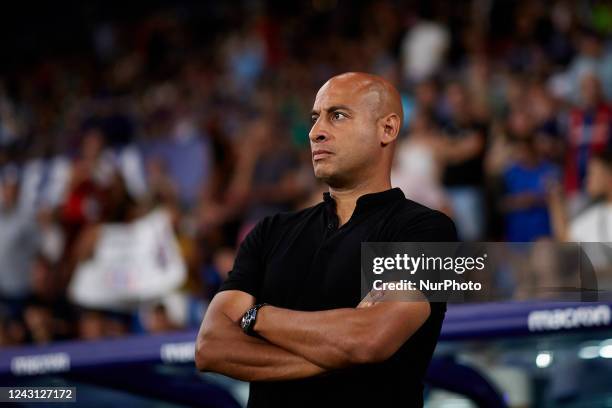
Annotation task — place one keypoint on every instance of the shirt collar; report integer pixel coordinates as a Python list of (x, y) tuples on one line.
[(370, 200)]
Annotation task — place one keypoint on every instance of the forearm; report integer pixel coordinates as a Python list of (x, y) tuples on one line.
[(331, 338), (458, 151), (227, 350), (259, 361), (558, 216)]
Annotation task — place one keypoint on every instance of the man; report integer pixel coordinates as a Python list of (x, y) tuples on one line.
[(19, 238), (589, 133), (313, 343), (463, 151), (593, 226)]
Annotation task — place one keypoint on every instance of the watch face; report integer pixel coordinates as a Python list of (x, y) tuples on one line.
[(245, 321)]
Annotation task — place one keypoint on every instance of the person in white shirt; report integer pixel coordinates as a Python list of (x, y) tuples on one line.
[(417, 167), (592, 226)]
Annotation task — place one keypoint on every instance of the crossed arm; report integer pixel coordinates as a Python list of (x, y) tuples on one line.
[(298, 344), (222, 347)]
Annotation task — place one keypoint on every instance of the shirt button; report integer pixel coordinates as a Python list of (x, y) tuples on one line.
[(330, 225)]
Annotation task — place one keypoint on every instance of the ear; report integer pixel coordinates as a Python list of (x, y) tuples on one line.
[(390, 128)]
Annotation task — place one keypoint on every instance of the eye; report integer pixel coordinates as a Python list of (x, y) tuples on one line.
[(313, 119), (338, 115)]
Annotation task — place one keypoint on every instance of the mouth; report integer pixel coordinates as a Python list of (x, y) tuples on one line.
[(320, 154)]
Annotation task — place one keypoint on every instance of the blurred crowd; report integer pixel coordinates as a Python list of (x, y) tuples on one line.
[(203, 110)]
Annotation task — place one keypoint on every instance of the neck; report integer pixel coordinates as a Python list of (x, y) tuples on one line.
[(346, 197)]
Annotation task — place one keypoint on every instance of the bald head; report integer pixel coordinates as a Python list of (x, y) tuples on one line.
[(356, 119), (379, 94)]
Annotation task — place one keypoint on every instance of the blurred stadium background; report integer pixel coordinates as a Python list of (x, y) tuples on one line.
[(139, 142)]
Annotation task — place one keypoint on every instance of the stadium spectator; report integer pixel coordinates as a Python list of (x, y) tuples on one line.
[(186, 154), (463, 153), (526, 181), (19, 239), (592, 227), (590, 131), (158, 321), (206, 114), (417, 168)]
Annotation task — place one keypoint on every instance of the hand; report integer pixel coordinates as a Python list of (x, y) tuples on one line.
[(554, 188)]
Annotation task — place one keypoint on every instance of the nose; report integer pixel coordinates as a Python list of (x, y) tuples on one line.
[(318, 133)]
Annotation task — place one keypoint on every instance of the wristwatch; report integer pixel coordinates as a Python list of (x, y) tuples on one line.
[(247, 323)]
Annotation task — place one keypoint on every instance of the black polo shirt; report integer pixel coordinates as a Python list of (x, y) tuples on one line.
[(303, 261)]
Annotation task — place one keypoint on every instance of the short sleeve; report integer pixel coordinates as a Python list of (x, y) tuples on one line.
[(431, 226), (247, 272), (584, 227)]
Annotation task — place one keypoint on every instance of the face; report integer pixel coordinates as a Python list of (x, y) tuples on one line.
[(9, 191), (520, 123), (590, 89), (343, 137), (93, 142), (456, 97), (599, 179), (426, 95), (419, 123)]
